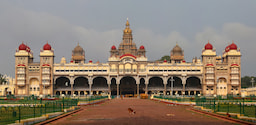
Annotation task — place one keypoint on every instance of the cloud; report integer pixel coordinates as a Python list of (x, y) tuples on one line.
[(158, 45), (35, 28), (241, 34)]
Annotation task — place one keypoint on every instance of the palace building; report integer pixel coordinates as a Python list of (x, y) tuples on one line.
[(128, 71)]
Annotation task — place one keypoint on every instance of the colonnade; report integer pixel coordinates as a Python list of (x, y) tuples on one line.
[(107, 89)]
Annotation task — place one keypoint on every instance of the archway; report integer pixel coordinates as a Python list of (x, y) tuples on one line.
[(113, 87), (63, 83), (222, 86), (193, 84), (177, 85), (7, 91), (58, 93), (34, 87), (142, 86), (156, 84), (81, 84), (99, 84), (127, 86)]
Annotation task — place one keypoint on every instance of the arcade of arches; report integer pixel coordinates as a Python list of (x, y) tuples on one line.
[(127, 85)]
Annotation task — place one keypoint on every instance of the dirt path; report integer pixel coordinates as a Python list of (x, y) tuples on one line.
[(148, 112)]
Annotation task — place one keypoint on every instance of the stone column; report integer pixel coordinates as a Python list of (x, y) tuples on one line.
[(72, 85), (184, 84), (164, 89), (117, 90), (146, 85), (90, 85), (146, 88), (109, 83), (138, 89), (137, 80), (109, 89)]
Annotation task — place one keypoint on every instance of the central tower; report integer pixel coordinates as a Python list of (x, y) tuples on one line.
[(127, 46)]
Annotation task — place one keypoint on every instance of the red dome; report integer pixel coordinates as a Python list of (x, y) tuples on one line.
[(227, 48), (142, 47), (47, 46), (113, 47), (28, 49), (22, 47), (233, 46), (208, 46)]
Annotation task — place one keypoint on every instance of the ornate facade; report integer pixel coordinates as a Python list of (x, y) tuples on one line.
[(128, 71)]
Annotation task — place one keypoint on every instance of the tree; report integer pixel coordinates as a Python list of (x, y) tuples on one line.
[(246, 81), (2, 79), (166, 57)]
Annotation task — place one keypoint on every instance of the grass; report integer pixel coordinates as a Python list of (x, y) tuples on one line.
[(11, 114)]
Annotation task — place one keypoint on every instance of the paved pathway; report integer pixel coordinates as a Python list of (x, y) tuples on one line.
[(148, 112)]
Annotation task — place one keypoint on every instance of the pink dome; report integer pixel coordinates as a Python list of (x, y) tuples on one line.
[(47, 46)]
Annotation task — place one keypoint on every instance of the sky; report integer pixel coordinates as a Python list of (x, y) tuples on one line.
[(98, 24)]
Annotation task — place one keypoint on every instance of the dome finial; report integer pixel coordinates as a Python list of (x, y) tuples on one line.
[(127, 22)]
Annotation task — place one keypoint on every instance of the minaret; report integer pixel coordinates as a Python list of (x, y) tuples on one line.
[(46, 72), (232, 57), (23, 56), (209, 65), (127, 46)]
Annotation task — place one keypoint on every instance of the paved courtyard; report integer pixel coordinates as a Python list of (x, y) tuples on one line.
[(148, 112)]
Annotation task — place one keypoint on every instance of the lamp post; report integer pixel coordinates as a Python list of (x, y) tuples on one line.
[(172, 80), (252, 81)]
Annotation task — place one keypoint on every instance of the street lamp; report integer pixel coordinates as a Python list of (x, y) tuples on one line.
[(172, 80), (252, 81)]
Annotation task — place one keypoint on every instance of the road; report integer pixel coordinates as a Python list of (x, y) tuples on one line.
[(148, 112)]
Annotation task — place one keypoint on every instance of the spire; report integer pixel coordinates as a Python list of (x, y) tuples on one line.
[(127, 23)]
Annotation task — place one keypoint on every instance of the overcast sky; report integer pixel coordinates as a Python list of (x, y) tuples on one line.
[(97, 25)]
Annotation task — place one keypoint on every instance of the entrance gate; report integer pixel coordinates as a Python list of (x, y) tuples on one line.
[(128, 86)]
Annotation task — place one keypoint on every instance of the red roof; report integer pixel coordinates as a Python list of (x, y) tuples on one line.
[(20, 65), (209, 65), (142, 47), (127, 55), (45, 65), (234, 65), (28, 49), (47, 46), (113, 47), (208, 46), (227, 48), (233, 46), (22, 46)]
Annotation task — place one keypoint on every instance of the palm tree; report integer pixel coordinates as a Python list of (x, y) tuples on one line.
[(2, 79)]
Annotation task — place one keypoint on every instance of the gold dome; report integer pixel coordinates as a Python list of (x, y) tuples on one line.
[(177, 48), (127, 30), (78, 48)]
